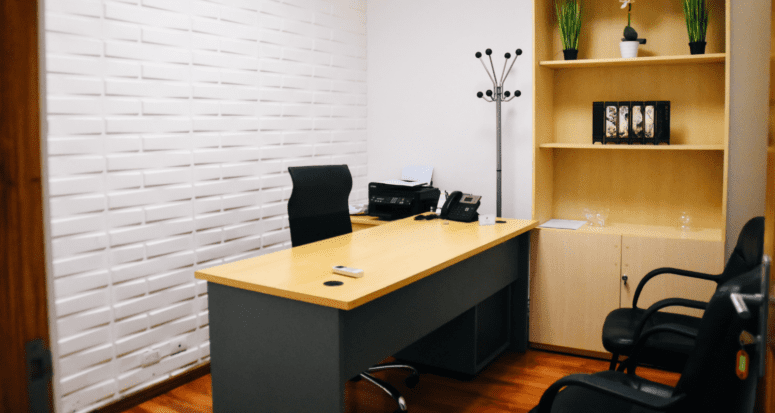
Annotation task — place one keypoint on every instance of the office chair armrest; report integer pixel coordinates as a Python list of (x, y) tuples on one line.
[(667, 302), (632, 362), (668, 270), (608, 387)]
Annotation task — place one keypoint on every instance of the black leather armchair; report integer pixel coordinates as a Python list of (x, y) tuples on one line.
[(708, 383), (623, 326), (317, 210)]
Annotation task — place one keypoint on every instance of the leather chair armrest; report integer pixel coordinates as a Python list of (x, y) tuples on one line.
[(608, 387), (667, 302), (632, 362), (668, 270)]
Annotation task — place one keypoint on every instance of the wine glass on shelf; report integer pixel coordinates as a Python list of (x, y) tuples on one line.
[(685, 221), (590, 216), (601, 216)]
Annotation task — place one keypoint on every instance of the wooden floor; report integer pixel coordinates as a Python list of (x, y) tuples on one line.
[(512, 383)]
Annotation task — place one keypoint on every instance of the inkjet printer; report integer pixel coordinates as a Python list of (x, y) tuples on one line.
[(389, 202)]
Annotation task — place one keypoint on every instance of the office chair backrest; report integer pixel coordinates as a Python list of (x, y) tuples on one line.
[(318, 206), (748, 251), (709, 378)]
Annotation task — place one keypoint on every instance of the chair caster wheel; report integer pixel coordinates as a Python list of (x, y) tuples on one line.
[(401, 405), (411, 381)]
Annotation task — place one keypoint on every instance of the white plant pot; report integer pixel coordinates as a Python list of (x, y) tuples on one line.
[(629, 48)]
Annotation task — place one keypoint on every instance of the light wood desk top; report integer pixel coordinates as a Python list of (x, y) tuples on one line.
[(391, 255), (367, 220)]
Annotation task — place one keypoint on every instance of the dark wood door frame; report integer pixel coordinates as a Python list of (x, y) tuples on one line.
[(767, 385), (23, 293)]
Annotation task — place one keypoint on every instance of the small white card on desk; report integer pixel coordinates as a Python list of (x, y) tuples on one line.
[(486, 219)]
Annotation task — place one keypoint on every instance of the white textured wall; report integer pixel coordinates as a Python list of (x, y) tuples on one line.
[(422, 109), (171, 127)]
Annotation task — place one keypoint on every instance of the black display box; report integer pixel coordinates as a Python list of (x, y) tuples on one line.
[(631, 122)]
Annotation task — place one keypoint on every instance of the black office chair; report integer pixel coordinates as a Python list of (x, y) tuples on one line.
[(317, 210), (623, 326), (710, 382)]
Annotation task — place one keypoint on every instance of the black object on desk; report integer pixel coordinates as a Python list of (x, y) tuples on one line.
[(390, 202)]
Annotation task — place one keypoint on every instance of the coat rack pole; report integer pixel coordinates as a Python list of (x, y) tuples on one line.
[(498, 134), (498, 98)]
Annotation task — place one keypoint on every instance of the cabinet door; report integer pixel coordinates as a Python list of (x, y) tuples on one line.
[(642, 254), (573, 287)]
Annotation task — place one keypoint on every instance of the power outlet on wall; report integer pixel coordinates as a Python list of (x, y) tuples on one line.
[(179, 344), (74, 405), (150, 357)]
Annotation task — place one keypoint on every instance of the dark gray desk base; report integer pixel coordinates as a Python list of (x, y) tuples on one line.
[(272, 354)]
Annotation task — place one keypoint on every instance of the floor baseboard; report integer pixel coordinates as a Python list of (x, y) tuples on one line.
[(574, 351), (156, 390)]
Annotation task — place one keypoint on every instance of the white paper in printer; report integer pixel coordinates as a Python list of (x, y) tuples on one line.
[(414, 175)]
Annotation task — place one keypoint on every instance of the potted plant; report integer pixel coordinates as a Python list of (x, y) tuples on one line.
[(696, 13), (569, 17), (629, 45)]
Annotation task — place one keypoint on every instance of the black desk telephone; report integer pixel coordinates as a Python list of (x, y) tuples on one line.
[(461, 207)]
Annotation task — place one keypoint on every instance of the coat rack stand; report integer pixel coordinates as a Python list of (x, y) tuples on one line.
[(498, 96)]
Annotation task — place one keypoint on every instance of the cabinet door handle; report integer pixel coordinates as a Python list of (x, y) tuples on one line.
[(624, 278)]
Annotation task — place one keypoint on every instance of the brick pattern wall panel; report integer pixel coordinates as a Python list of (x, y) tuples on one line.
[(171, 127)]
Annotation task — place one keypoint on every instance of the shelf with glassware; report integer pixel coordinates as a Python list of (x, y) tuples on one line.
[(650, 231)]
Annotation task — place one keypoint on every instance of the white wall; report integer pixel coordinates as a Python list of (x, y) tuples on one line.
[(422, 106), (171, 124)]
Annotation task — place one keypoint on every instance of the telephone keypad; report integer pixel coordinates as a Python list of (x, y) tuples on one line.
[(461, 213)]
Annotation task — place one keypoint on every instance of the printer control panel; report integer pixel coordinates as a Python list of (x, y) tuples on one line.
[(390, 200)]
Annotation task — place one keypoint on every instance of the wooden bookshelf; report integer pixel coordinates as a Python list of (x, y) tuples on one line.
[(645, 187), (641, 184)]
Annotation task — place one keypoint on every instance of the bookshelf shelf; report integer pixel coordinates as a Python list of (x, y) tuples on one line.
[(637, 61)]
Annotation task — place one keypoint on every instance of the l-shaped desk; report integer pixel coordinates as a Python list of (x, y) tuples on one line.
[(440, 293)]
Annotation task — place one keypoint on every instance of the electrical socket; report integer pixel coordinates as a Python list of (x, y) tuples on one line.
[(164, 349), (179, 344), (74, 405), (150, 357)]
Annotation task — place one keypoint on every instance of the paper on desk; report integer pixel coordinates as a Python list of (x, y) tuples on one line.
[(356, 209), (563, 224), (414, 175)]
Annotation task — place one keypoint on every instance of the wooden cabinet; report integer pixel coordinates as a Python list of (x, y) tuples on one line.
[(640, 255), (574, 284), (576, 280)]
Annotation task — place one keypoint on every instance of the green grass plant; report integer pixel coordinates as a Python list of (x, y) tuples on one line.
[(696, 13), (569, 18)]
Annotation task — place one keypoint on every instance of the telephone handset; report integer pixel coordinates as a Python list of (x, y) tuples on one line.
[(461, 207)]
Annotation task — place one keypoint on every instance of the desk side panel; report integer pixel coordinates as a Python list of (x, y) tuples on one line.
[(387, 325), (286, 351), (520, 305)]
